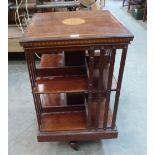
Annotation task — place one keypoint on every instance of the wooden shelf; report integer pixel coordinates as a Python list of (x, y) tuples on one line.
[(57, 103), (53, 100), (61, 85), (101, 115), (73, 119), (96, 72), (57, 116), (63, 121), (77, 135), (65, 83), (51, 60)]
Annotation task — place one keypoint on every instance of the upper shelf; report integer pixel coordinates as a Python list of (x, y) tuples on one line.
[(64, 79)]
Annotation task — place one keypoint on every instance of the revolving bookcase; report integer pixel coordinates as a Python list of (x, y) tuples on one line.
[(73, 81)]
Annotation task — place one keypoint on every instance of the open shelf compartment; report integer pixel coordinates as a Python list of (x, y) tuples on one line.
[(52, 76), (63, 117), (69, 120), (57, 103)]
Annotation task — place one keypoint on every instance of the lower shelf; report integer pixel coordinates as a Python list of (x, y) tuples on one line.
[(79, 135), (101, 114), (72, 117), (62, 121)]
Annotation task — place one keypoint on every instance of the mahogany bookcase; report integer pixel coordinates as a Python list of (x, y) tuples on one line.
[(73, 81)]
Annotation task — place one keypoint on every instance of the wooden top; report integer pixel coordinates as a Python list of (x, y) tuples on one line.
[(64, 28)]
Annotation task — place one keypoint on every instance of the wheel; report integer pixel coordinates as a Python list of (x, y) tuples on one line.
[(74, 145)]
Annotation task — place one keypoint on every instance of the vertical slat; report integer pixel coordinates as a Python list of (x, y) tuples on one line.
[(100, 87), (90, 85), (120, 76), (37, 96), (32, 67), (27, 54), (37, 109), (108, 92)]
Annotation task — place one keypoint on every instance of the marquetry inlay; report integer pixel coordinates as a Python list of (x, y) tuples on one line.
[(73, 21)]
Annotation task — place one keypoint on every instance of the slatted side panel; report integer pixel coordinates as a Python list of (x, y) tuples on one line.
[(90, 85), (100, 87), (120, 76), (32, 76), (108, 91)]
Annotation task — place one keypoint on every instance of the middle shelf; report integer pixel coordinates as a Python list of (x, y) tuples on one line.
[(68, 84)]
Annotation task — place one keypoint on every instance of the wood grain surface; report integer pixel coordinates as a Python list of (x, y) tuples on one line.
[(98, 24)]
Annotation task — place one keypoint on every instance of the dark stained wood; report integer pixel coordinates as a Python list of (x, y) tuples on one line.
[(31, 70), (82, 135), (56, 103), (92, 78), (66, 108), (61, 60), (61, 71), (100, 90), (51, 60), (120, 76), (101, 114), (105, 65), (49, 100), (61, 84), (90, 86), (108, 92), (99, 27), (87, 114), (63, 121)]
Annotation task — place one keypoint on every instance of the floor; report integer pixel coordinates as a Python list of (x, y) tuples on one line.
[(131, 121)]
